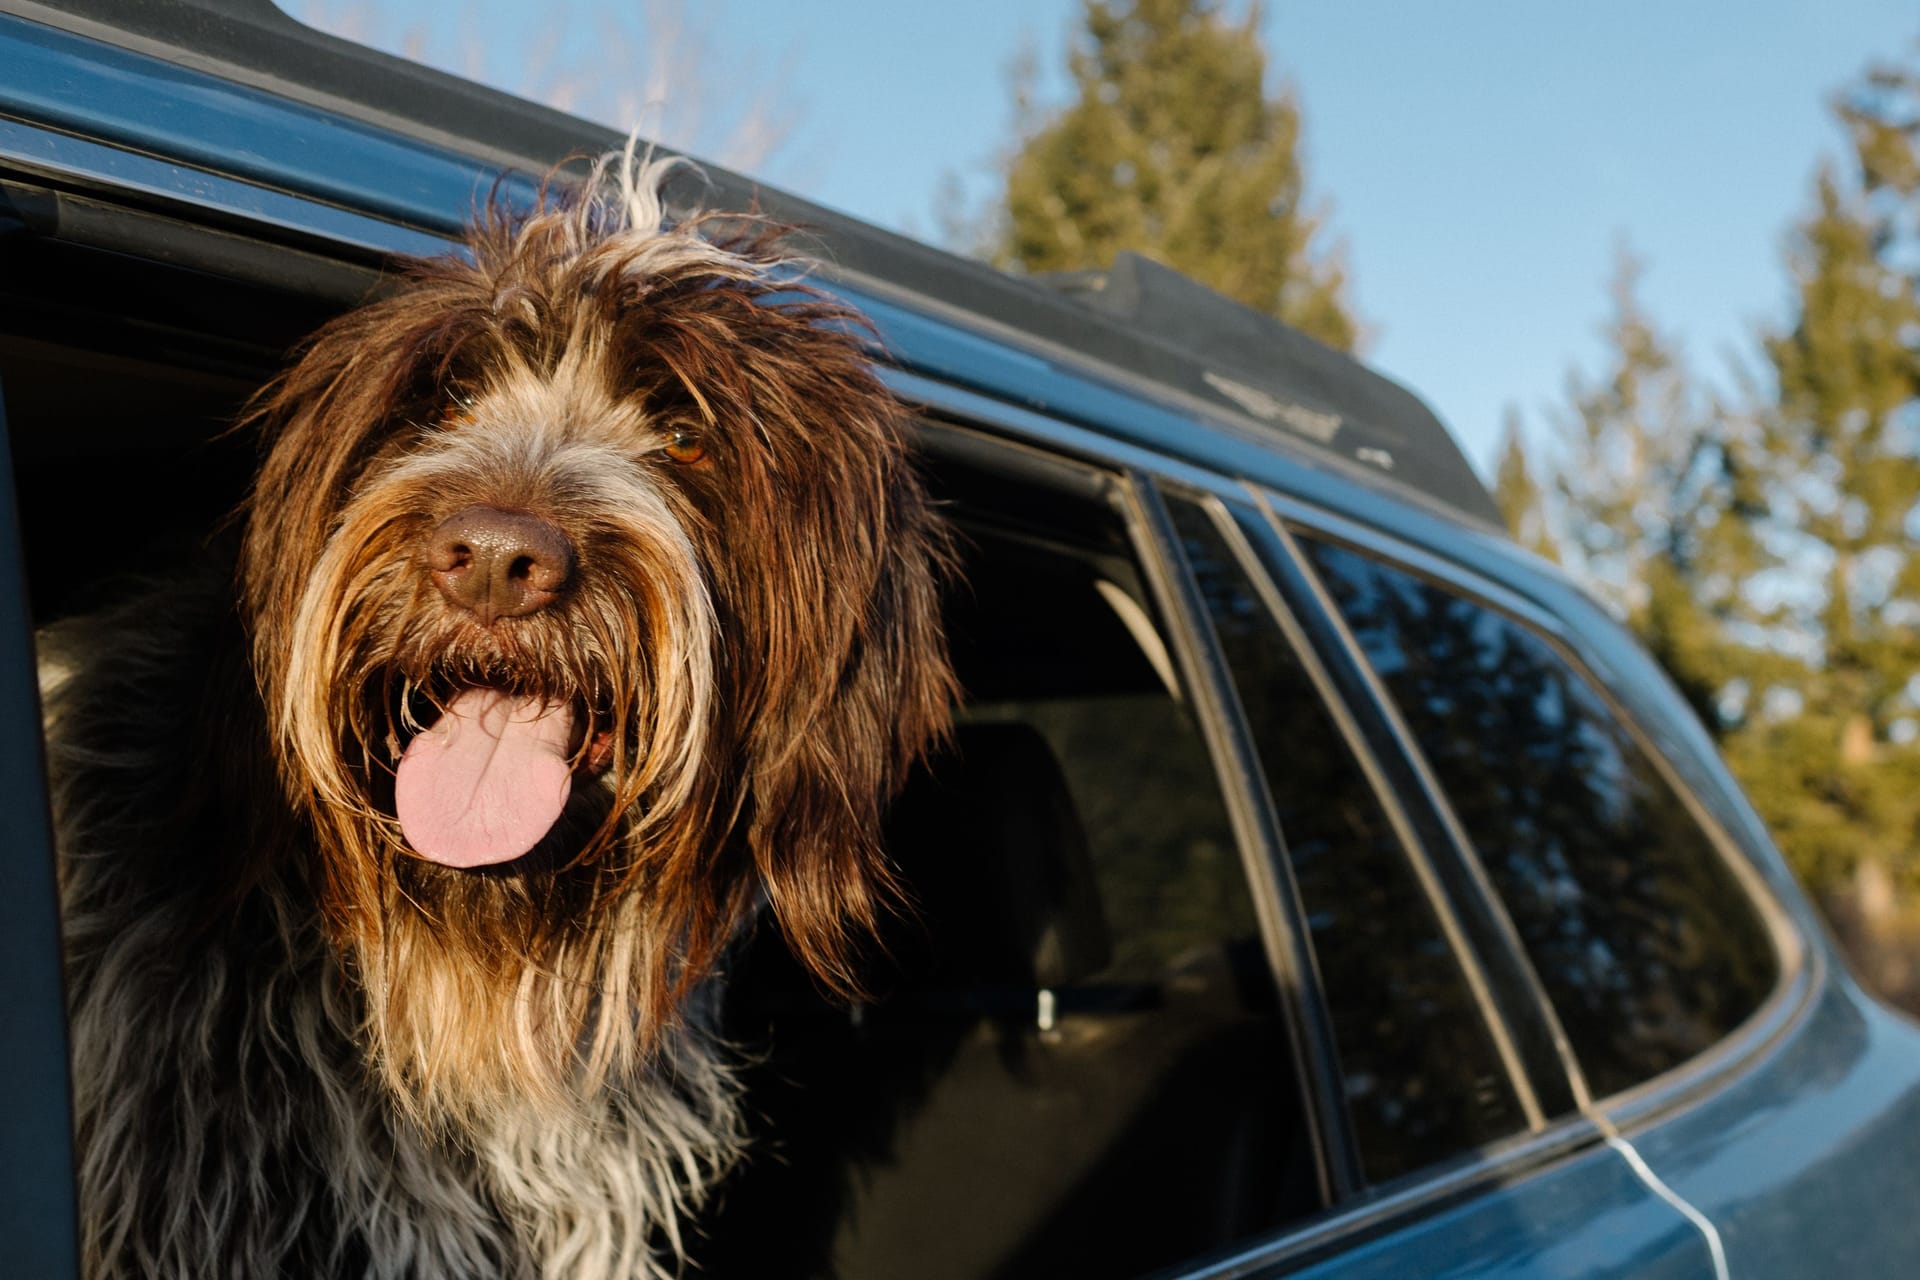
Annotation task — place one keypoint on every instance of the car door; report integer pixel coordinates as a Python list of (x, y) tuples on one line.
[(1809, 1165)]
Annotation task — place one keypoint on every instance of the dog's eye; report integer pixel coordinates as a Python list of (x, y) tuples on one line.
[(685, 447)]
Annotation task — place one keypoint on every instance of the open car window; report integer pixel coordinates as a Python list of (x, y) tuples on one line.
[(1075, 1060)]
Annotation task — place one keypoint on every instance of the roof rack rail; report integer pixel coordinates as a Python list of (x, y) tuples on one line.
[(1213, 347)]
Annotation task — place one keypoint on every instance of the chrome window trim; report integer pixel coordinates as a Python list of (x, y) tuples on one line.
[(1800, 966), (1479, 984)]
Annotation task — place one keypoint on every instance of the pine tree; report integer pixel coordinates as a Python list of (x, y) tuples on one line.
[(1650, 485), (1882, 117), (1172, 148), (1769, 555), (1842, 454), (1517, 492)]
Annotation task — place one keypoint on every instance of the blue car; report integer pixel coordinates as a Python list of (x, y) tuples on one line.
[(1316, 884)]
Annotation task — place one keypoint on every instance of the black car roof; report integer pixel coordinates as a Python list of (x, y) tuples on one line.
[(1140, 322)]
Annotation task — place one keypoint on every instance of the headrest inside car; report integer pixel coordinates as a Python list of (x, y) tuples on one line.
[(997, 863)]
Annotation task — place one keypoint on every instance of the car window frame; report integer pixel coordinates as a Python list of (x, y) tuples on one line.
[(1368, 1212), (1263, 850)]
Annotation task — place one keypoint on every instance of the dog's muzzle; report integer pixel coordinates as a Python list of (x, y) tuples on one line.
[(489, 778)]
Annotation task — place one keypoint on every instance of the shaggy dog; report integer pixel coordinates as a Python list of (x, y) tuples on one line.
[(586, 610)]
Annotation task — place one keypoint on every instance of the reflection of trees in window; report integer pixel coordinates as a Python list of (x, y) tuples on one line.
[(1423, 1080), (1642, 937)]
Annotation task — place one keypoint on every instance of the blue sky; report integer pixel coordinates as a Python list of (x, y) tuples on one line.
[(1480, 160)]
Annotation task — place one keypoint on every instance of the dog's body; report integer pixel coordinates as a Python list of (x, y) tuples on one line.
[(586, 602)]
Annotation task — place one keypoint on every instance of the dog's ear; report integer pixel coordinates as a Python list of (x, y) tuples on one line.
[(361, 386), (321, 422), (843, 672)]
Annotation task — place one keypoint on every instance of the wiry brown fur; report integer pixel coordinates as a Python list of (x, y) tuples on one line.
[(506, 1068)]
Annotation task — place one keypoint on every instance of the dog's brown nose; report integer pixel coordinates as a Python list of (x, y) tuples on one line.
[(499, 564)]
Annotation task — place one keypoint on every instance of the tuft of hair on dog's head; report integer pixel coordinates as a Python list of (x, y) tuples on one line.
[(743, 630)]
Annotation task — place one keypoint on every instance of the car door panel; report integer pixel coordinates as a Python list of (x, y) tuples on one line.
[(1589, 1217), (1790, 1159)]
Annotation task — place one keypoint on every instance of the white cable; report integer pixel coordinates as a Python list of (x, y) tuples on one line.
[(1659, 1187)]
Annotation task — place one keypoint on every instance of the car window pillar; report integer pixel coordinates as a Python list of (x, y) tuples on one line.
[(1283, 931)]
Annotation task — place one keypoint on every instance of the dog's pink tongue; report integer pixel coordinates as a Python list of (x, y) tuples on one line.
[(486, 781)]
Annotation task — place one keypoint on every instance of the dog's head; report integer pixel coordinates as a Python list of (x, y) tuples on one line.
[(593, 595)]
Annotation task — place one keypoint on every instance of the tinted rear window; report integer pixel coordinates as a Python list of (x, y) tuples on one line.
[(1644, 939)]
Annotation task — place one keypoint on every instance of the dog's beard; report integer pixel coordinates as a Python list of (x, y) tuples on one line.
[(529, 979)]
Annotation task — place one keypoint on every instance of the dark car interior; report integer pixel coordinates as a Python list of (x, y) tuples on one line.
[(1074, 1060), (122, 375)]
